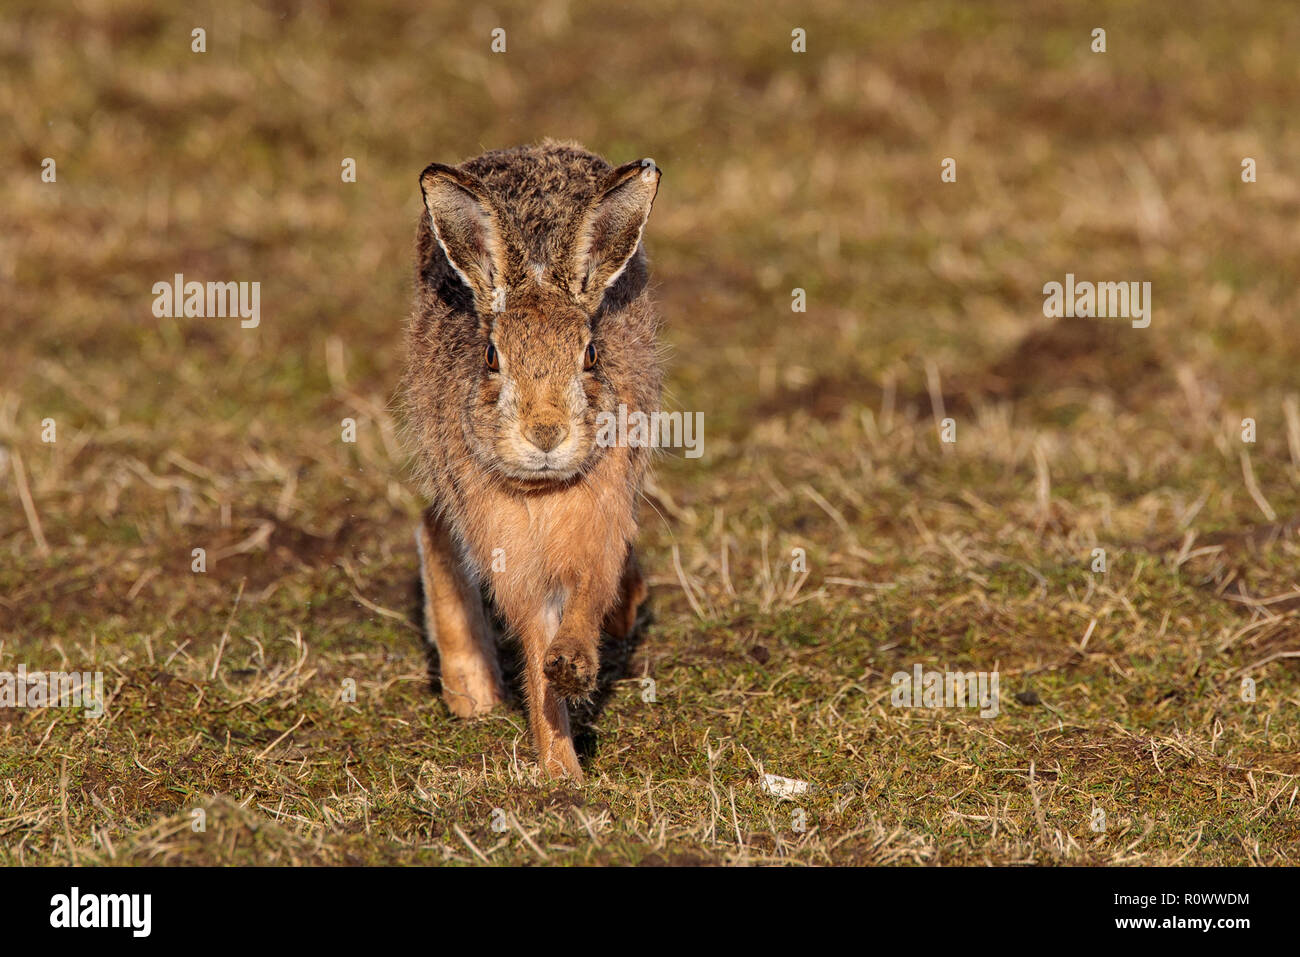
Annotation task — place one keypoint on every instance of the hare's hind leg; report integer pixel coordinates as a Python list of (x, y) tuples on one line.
[(632, 591), (455, 622)]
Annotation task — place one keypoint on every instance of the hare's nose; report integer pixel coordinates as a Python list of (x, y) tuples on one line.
[(546, 436)]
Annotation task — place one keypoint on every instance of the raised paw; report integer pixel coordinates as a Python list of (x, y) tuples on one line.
[(570, 666)]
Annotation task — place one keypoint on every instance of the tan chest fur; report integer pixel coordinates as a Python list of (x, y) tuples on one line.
[(528, 546)]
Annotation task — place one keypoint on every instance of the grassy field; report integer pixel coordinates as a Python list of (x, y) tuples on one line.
[(1121, 691)]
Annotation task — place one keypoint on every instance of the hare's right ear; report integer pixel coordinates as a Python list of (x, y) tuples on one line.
[(609, 233), (467, 229)]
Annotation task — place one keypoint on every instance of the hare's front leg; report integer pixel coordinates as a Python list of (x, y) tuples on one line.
[(548, 714), (572, 658), (455, 622)]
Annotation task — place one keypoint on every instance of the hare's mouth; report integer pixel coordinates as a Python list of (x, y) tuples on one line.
[(544, 479), (544, 472), (524, 461)]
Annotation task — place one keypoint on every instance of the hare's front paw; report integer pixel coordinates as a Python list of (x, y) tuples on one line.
[(570, 665)]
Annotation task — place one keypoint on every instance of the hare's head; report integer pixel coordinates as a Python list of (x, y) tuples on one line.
[(549, 353)]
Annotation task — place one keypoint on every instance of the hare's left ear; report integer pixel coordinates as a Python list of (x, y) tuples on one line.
[(468, 229), (609, 232)]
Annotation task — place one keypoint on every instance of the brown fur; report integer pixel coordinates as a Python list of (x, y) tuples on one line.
[(535, 251)]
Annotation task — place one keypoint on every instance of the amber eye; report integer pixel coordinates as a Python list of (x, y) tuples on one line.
[(490, 357), (589, 357)]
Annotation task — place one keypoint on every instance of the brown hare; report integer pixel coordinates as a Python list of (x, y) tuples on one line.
[(531, 319)]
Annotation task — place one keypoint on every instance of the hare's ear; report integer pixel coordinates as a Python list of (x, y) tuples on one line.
[(467, 229), (609, 233)]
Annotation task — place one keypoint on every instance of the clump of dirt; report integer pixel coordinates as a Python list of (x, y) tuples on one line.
[(1069, 356), (825, 398), (271, 548), (1080, 354)]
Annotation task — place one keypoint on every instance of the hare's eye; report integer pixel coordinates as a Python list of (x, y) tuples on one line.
[(490, 357), (589, 357)]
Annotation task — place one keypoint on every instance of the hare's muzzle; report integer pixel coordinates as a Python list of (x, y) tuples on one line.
[(546, 435)]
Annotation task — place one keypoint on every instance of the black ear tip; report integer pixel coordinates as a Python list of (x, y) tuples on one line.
[(441, 171), (431, 170), (650, 172), (646, 170)]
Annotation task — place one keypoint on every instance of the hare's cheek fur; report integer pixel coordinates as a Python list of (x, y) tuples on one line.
[(544, 432)]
